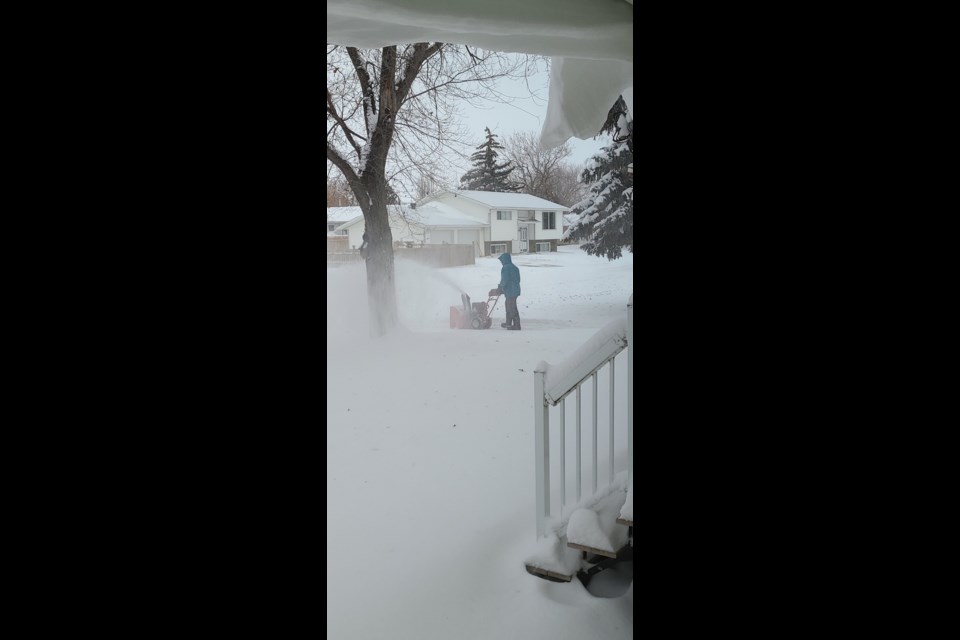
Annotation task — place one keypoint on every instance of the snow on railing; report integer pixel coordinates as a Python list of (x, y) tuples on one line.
[(554, 383)]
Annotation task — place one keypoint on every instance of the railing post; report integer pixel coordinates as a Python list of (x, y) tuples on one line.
[(630, 389), (541, 450)]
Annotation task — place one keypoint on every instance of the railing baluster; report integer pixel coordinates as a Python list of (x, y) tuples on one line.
[(579, 475), (594, 431), (630, 389), (563, 454), (611, 417)]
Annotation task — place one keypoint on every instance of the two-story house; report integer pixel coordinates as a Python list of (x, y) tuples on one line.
[(494, 222), (513, 222)]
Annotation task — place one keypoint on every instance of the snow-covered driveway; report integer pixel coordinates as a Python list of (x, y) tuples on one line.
[(430, 454)]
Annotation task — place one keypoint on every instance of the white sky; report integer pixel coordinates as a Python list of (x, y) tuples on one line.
[(525, 113), (430, 453)]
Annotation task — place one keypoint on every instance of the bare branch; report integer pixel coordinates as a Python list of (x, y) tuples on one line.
[(332, 110), (334, 156), (421, 53), (369, 101)]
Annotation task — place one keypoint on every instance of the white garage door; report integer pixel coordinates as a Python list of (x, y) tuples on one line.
[(439, 237), (468, 236)]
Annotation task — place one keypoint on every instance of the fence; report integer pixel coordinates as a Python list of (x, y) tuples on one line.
[(343, 257), (439, 255), (338, 243)]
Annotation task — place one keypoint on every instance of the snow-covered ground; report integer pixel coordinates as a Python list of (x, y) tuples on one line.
[(430, 480)]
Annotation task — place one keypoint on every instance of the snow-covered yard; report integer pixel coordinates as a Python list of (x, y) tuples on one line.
[(430, 469)]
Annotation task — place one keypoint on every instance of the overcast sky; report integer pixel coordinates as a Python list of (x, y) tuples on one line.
[(525, 113)]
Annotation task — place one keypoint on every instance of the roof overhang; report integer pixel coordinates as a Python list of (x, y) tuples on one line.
[(590, 42)]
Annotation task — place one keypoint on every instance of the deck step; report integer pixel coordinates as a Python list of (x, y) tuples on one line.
[(599, 552), (546, 574)]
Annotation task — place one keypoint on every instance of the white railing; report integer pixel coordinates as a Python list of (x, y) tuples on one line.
[(551, 387)]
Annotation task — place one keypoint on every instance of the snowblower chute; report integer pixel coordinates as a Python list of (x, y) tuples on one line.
[(478, 315)]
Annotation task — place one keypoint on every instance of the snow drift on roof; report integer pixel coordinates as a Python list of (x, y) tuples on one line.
[(349, 214), (438, 214), (509, 200), (342, 214), (591, 42)]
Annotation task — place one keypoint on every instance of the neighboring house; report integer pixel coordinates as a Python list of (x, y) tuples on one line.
[(404, 226), (336, 216), (435, 223), (492, 221), (511, 222)]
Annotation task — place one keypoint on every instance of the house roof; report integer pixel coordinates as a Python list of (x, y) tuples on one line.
[(499, 199), (434, 214), (439, 214), (345, 213)]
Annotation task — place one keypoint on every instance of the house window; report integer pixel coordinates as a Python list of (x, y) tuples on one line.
[(549, 219), (543, 246), (498, 248), (504, 215), (331, 226)]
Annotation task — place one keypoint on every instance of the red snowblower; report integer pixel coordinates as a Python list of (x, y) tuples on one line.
[(478, 315)]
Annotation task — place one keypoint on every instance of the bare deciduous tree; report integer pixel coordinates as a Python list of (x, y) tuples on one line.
[(339, 193), (544, 173), (392, 113), (427, 186)]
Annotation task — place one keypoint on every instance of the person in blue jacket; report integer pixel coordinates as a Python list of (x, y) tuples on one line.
[(510, 286)]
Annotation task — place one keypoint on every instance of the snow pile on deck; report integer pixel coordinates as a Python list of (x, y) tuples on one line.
[(597, 527), (626, 512), (552, 554), (584, 529), (551, 551)]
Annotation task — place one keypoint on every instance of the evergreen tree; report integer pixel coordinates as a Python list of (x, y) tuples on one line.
[(487, 174), (605, 217)]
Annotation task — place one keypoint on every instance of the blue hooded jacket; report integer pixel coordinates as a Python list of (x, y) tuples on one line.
[(509, 277)]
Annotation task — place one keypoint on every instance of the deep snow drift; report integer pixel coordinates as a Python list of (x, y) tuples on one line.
[(591, 45), (430, 462)]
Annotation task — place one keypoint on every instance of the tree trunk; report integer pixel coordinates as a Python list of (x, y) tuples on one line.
[(381, 287)]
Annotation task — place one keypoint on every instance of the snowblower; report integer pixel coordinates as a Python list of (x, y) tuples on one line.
[(478, 315)]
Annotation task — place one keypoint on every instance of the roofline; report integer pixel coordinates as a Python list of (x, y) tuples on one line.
[(349, 223), (459, 194)]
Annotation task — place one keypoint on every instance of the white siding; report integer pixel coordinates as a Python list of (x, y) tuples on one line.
[(502, 230), (439, 236), (356, 235), (550, 234), (399, 230)]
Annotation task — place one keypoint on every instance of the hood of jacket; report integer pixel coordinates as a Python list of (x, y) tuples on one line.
[(505, 259)]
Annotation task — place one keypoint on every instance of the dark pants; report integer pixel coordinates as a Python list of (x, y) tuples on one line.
[(513, 315)]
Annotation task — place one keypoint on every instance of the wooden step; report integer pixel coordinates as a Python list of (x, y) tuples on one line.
[(599, 552), (546, 574), (629, 523)]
